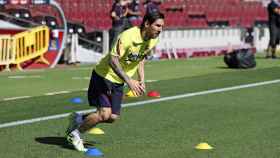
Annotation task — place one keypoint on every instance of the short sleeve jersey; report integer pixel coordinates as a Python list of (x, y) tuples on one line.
[(131, 48)]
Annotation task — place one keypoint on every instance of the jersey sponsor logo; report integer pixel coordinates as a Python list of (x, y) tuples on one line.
[(134, 57), (136, 44)]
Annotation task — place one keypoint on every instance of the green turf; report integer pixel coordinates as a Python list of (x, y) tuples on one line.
[(50, 105), (61, 79), (239, 123), (231, 122)]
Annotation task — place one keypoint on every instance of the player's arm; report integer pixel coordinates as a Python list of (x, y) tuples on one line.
[(136, 13), (134, 85), (141, 73), (114, 63), (116, 66), (114, 15), (126, 12)]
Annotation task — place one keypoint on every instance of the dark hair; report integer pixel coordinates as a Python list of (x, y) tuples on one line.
[(151, 18)]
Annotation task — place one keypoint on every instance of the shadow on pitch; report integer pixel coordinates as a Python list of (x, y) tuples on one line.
[(222, 67), (60, 141)]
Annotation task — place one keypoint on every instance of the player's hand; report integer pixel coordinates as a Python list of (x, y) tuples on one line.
[(136, 87), (142, 83)]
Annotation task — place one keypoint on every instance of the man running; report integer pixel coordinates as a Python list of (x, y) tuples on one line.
[(106, 85)]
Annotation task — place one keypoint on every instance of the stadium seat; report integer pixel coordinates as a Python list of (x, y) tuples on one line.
[(88, 12)]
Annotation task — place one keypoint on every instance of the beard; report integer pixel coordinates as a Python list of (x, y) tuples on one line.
[(156, 35)]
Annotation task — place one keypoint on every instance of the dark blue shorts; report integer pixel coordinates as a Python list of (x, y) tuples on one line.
[(104, 93)]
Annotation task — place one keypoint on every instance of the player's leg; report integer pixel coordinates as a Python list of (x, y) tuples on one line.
[(273, 55), (101, 115), (103, 95), (116, 100), (112, 118), (268, 51), (99, 96), (76, 120), (91, 120), (109, 107), (273, 51), (73, 134), (273, 40)]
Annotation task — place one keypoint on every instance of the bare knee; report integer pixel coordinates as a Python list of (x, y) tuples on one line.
[(104, 114), (113, 118)]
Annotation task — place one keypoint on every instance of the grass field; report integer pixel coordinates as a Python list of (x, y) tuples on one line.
[(242, 123)]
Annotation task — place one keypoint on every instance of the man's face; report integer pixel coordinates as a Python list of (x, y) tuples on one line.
[(124, 2), (154, 29)]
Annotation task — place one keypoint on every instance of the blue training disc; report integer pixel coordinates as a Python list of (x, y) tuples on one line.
[(93, 152), (77, 100)]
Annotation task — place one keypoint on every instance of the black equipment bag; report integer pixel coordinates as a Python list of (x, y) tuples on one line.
[(243, 58)]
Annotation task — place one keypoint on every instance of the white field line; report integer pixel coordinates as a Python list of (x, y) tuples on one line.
[(54, 93), (60, 92), (46, 94), (23, 77), (16, 123), (21, 72), (149, 81), (80, 78), (15, 98), (81, 68)]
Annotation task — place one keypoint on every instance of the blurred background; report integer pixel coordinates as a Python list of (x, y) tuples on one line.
[(193, 28)]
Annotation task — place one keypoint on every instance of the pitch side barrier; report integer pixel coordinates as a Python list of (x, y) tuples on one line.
[(6, 55), (185, 43), (31, 44), (24, 46)]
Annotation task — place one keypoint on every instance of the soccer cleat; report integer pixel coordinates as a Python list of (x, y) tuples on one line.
[(76, 141), (73, 123)]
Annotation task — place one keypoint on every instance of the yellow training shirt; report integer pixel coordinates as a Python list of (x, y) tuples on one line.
[(133, 49)]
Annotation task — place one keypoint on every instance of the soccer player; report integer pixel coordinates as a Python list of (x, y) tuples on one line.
[(106, 85), (274, 28), (119, 20)]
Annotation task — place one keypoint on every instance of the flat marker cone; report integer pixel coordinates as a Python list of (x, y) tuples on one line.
[(153, 94), (96, 131), (131, 94), (203, 146)]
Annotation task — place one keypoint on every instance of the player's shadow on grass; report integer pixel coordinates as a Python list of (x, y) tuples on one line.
[(59, 141), (223, 67)]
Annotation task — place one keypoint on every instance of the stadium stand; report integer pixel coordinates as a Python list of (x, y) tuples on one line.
[(50, 21), (95, 14), (91, 17)]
